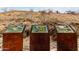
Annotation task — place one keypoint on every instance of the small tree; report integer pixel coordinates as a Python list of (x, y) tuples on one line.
[(57, 12), (50, 11), (31, 10), (71, 12), (43, 12)]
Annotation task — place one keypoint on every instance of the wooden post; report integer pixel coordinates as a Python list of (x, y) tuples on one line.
[(13, 38), (66, 38), (12, 42), (39, 38)]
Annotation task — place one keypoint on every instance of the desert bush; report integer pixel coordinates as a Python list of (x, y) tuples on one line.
[(71, 12)]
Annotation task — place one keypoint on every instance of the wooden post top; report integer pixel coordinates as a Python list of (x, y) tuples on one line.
[(64, 29), (11, 28), (39, 29)]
